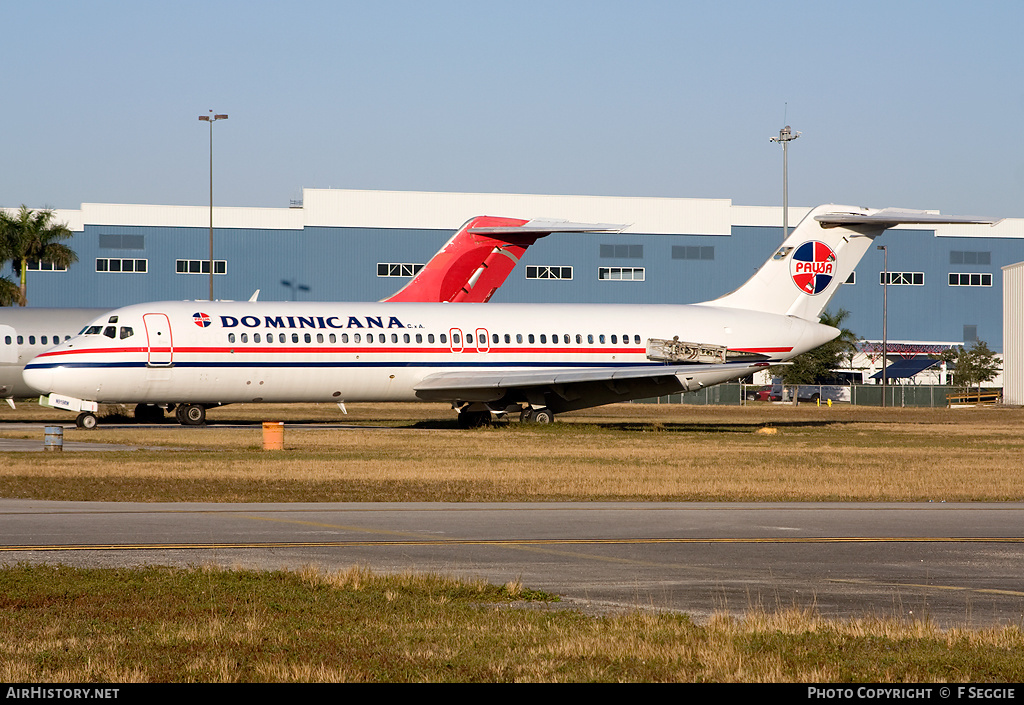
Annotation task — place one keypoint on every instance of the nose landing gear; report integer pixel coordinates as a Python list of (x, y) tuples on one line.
[(86, 420)]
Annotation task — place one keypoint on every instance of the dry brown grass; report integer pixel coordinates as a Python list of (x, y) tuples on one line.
[(623, 452), (60, 624)]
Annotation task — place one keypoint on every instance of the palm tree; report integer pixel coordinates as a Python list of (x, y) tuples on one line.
[(8, 289), (32, 236), (845, 344)]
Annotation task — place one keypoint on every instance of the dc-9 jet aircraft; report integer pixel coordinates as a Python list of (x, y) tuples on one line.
[(487, 360)]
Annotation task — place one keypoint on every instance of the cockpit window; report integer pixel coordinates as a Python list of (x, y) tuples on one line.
[(126, 332), (110, 332), (92, 330)]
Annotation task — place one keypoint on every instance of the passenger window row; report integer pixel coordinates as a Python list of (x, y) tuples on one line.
[(9, 340), (418, 338)]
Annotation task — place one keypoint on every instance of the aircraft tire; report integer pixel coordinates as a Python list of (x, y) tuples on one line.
[(86, 420), (474, 419), (542, 415), (191, 414)]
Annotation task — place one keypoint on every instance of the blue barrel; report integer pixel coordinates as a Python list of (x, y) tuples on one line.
[(53, 438)]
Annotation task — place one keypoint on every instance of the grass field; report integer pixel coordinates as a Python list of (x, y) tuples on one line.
[(207, 625), (627, 452), (116, 625)]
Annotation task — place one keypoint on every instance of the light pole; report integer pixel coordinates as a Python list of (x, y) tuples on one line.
[(295, 287), (211, 118), (885, 318), (786, 136)]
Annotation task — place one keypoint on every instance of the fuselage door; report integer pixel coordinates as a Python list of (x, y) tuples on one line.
[(160, 346), (8, 345)]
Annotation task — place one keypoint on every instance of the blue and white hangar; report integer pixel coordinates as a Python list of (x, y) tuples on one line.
[(945, 281)]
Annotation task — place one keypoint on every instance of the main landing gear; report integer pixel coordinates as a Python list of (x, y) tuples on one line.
[(190, 414), (474, 419), (477, 418), (541, 415)]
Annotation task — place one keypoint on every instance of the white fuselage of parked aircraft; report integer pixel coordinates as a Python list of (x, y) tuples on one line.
[(26, 332), (484, 358)]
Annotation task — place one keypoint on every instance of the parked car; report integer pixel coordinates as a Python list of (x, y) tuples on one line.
[(810, 392), (759, 394)]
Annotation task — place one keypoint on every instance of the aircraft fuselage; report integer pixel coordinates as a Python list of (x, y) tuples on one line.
[(228, 352)]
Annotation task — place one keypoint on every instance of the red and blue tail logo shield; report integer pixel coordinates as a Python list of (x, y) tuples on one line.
[(813, 267)]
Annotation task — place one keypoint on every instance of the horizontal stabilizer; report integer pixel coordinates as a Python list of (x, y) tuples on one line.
[(891, 217), (546, 227)]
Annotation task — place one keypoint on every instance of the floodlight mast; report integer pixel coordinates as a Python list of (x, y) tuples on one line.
[(786, 135), (885, 319), (211, 118)]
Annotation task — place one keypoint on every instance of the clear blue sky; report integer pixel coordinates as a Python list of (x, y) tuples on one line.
[(914, 104)]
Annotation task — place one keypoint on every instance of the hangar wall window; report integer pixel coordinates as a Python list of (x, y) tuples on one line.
[(970, 334), (391, 269), (693, 252), (114, 264), (548, 272), (958, 279), (35, 266), (200, 266), (634, 274), (122, 242), (622, 251), (902, 278), (969, 257)]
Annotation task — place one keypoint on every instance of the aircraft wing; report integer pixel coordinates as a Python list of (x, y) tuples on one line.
[(574, 388)]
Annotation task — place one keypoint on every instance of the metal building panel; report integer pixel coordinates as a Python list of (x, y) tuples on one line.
[(766, 216), (1006, 228), (1013, 334), (418, 209), (191, 216)]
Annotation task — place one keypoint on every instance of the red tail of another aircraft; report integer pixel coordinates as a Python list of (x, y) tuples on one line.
[(480, 256)]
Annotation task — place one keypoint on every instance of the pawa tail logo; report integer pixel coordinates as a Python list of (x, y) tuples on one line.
[(201, 319), (813, 266)]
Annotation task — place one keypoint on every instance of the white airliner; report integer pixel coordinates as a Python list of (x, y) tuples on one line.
[(487, 360), (26, 332), (469, 268)]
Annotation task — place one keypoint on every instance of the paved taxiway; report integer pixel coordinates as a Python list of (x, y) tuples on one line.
[(953, 563)]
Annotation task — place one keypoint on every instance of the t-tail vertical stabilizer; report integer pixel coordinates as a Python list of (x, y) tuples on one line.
[(819, 255), (475, 262)]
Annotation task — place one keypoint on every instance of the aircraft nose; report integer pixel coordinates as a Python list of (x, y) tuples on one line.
[(39, 378)]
